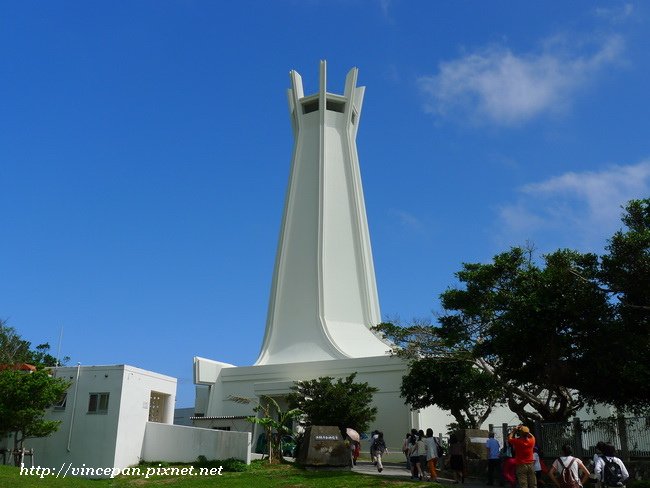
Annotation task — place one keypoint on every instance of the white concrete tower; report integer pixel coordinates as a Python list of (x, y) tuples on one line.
[(324, 295)]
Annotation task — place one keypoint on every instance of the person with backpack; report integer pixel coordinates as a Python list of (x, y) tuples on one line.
[(598, 451), (377, 449), (610, 470), (565, 472)]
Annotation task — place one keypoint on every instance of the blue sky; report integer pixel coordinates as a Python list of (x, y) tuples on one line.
[(145, 150)]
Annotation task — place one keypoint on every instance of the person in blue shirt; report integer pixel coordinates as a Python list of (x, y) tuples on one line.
[(494, 461)]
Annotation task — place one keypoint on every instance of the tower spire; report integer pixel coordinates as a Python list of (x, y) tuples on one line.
[(324, 295)]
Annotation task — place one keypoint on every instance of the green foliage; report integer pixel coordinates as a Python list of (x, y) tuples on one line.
[(551, 335), (466, 391), (343, 402), (275, 421), (25, 397), (15, 350), (638, 484), (502, 315), (626, 274), (232, 465)]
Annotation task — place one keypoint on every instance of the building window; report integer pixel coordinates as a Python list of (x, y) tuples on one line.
[(157, 406), (310, 106), (335, 106), (60, 405), (98, 403)]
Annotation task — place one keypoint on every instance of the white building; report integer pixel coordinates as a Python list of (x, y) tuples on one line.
[(104, 415), (323, 299), (116, 416)]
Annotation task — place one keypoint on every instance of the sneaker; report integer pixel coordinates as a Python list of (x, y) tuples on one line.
[(380, 469)]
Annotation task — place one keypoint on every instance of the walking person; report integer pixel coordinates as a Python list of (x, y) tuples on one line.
[(377, 449), (414, 455), (609, 469), (355, 451), (431, 447), (405, 450), (422, 450), (523, 443), (493, 458), (598, 451)]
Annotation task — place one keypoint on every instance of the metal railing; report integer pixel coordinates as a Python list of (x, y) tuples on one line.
[(630, 436)]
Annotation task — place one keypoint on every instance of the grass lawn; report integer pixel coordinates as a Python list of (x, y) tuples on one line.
[(259, 474)]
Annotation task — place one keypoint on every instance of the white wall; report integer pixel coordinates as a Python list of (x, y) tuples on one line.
[(163, 442), (384, 372), (137, 386), (85, 437)]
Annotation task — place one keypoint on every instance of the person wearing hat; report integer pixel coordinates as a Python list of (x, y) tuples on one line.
[(523, 443)]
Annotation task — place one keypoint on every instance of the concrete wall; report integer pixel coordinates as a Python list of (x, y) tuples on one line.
[(164, 442)]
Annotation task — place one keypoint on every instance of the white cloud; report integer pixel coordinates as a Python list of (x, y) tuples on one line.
[(575, 209), (498, 86), (408, 220), (615, 14), (384, 5)]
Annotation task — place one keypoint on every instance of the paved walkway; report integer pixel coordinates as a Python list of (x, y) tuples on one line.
[(399, 470)]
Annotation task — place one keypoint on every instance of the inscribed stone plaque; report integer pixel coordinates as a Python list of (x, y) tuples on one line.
[(324, 446)]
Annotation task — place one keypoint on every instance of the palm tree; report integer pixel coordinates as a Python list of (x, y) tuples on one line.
[(273, 419)]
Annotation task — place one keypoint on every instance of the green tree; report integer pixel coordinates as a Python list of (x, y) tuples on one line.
[(14, 349), (620, 354), (343, 402), (569, 331), (466, 391), (524, 325), (24, 401), (26, 396)]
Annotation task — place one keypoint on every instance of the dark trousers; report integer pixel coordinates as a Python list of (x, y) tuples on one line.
[(494, 465)]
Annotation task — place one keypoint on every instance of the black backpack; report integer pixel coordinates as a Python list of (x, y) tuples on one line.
[(378, 444), (440, 451), (612, 473)]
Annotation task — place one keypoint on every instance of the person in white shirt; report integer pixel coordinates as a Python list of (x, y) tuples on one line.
[(609, 455), (414, 454), (431, 447), (573, 464)]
